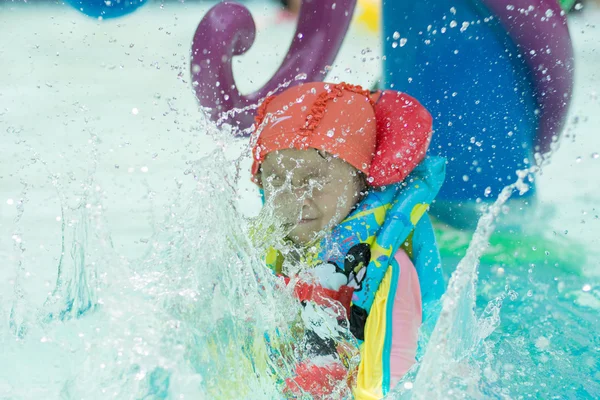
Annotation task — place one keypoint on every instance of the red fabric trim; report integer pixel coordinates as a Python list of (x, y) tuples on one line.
[(320, 105), (320, 295), (319, 381)]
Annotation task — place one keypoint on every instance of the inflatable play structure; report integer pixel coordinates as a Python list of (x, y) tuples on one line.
[(497, 79), (106, 8)]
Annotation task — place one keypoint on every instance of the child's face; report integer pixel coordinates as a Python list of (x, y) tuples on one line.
[(311, 189)]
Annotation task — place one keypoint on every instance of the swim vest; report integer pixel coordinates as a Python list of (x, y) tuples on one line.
[(363, 247)]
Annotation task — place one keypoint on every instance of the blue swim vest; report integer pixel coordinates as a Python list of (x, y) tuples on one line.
[(363, 247)]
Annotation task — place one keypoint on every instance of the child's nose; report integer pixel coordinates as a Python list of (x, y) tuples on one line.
[(306, 203)]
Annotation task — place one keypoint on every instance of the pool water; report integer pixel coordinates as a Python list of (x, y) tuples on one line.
[(129, 270)]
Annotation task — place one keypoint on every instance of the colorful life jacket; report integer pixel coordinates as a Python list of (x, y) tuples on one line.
[(363, 247)]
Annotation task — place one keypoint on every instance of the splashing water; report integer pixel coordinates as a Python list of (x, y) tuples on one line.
[(199, 316), (458, 330)]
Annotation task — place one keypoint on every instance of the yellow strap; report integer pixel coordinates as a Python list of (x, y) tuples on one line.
[(370, 370)]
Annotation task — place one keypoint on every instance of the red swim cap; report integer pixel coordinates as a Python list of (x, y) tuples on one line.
[(338, 119), (384, 135)]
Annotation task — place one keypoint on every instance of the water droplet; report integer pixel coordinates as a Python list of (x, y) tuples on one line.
[(403, 42), (453, 24), (578, 160), (466, 178), (464, 26), (300, 36), (135, 111), (534, 248), (394, 45), (510, 7), (131, 45), (529, 293), (595, 156), (487, 191), (396, 35), (330, 133), (547, 253), (10, 202), (453, 10), (300, 77), (549, 13), (587, 287), (542, 342)]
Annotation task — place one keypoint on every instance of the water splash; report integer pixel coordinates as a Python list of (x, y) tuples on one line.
[(198, 316), (443, 372)]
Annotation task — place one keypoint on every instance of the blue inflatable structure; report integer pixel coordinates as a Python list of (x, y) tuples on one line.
[(497, 79), (106, 8)]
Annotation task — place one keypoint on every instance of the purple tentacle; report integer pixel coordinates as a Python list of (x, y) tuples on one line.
[(539, 29), (228, 30)]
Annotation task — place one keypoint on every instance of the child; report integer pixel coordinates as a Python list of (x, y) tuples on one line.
[(347, 169)]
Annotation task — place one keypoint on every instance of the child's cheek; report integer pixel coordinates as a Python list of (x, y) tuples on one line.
[(286, 205)]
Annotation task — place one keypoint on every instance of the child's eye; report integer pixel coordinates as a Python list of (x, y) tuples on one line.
[(276, 180), (317, 182)]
